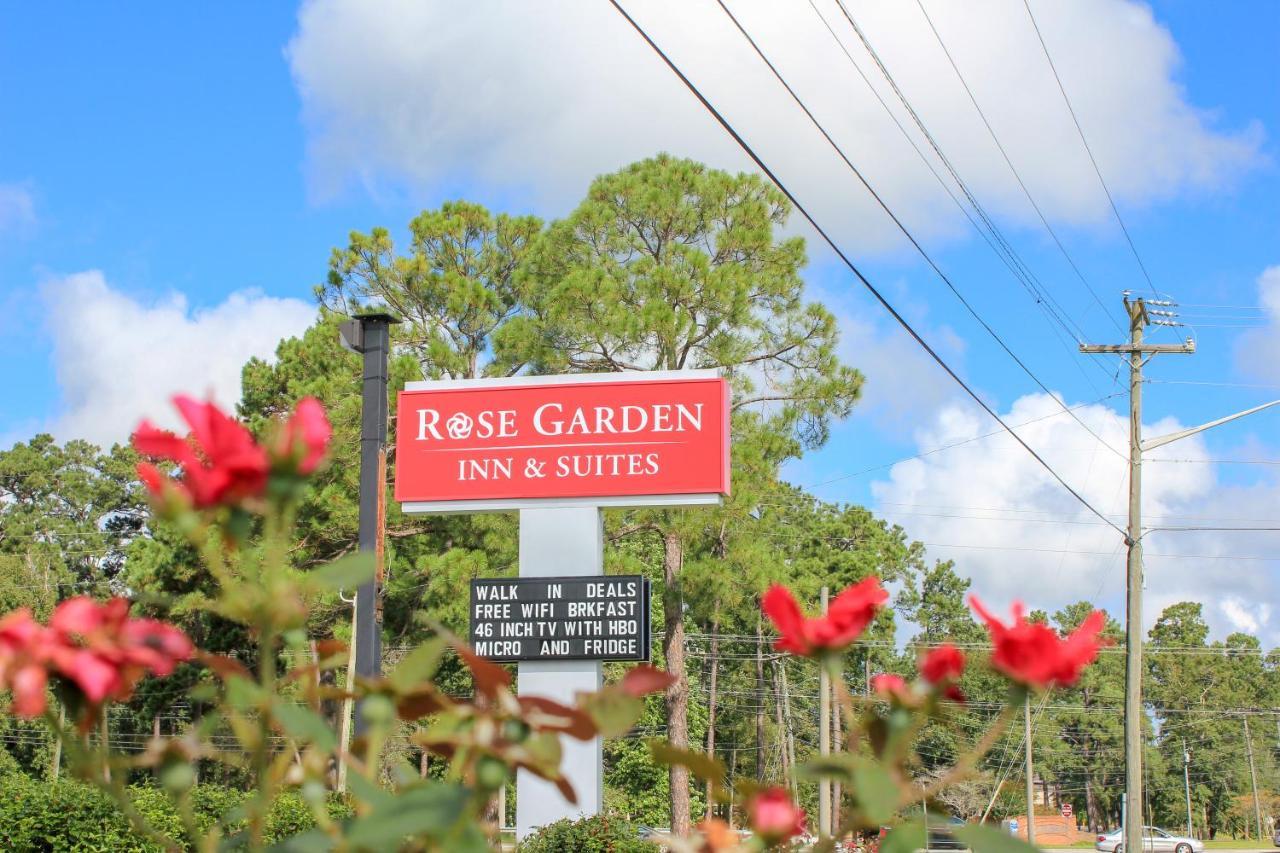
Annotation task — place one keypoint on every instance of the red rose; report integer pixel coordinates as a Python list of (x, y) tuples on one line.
[(846, 618), (1034, 654), (228, 468), (22, 668), (304, 439), (773, 816), (893, 687), (943, 664)]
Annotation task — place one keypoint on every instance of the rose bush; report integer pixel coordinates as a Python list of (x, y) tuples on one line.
[(874, 765), (234, 497)]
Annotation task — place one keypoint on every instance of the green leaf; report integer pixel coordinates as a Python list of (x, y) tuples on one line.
[(700, 764), (468, 839), (418, 666), (345, 572), (984, 839), (301, 723), (906, 838), (432, 809), (310, 841), (838, 766), (243, 694), (614, 712), (367, 791), (876, 792)]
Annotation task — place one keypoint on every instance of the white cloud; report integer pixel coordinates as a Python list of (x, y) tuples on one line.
[(17, 208), (1241, 617), (1019, 535), (537, 98), (903, 385), (118, 359), (1258, 350)]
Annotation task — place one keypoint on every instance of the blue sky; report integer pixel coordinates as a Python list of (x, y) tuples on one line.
[(154, 161)]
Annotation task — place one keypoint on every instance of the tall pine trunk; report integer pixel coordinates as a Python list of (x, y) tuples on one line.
[(759, 698), (678, 693), (712, 683), (1091, 798)]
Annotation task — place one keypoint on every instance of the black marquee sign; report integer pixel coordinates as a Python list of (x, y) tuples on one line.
[(560, 618)]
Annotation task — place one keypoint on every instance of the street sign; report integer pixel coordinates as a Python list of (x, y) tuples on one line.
[(559, 449), (604, 439), (1066, 810), (561, 618)]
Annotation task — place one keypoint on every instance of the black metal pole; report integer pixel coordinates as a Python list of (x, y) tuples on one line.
[(374, 343)]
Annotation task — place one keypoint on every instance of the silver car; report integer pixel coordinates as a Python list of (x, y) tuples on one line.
[(1153, 839)]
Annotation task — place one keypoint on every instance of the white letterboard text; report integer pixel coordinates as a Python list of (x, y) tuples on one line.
[(565, 618)]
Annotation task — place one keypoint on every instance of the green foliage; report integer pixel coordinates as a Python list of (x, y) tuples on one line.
[(67, 514), (667, 265), (71, 816), (454, 288), (597, 834)]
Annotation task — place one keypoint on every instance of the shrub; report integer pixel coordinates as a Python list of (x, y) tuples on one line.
[(71, 816), (595, 834)]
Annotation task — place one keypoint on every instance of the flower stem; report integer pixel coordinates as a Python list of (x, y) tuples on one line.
[(964, 766)]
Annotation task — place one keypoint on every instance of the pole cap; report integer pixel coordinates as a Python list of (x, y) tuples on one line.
[(351, 332)]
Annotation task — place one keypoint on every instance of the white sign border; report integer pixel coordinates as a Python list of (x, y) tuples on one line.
[(506, 505)]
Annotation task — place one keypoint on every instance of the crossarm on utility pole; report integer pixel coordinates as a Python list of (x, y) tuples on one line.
[(1151, 349)]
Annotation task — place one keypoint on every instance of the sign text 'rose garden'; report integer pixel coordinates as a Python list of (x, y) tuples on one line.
[(549, 437)]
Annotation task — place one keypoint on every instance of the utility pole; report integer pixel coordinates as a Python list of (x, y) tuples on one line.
[(824, 739), (1253, 775), (1031, 785), (370, 335), (1136, 349), (1186, 783), (1140, 316)]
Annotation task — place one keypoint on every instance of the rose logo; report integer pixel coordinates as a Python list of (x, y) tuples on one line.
[(458, 426)]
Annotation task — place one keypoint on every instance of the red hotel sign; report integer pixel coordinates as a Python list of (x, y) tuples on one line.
[(617, 437)]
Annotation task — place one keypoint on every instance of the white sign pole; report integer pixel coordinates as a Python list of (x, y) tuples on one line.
[(559, 541)]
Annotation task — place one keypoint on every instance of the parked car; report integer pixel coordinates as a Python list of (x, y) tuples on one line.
[(942, 836), (1154, 840)]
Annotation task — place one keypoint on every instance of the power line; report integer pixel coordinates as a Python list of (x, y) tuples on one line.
[(1048, 512), (1009, 162), (1037, 297), (1226, 307), (914, 242), (896, 221), (961, 443), (1219, 461), (1080, 130), (1017, 265), (1210, 383), (1038, 288), (1250, 557), (871, 288)]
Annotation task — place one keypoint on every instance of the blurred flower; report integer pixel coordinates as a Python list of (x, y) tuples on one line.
[(22, 667), (846, 618), (229, 467), (304, 438), (94, 645), (894, 687), (1034, 655), (774, 816), (943, 664), (717, 836)]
